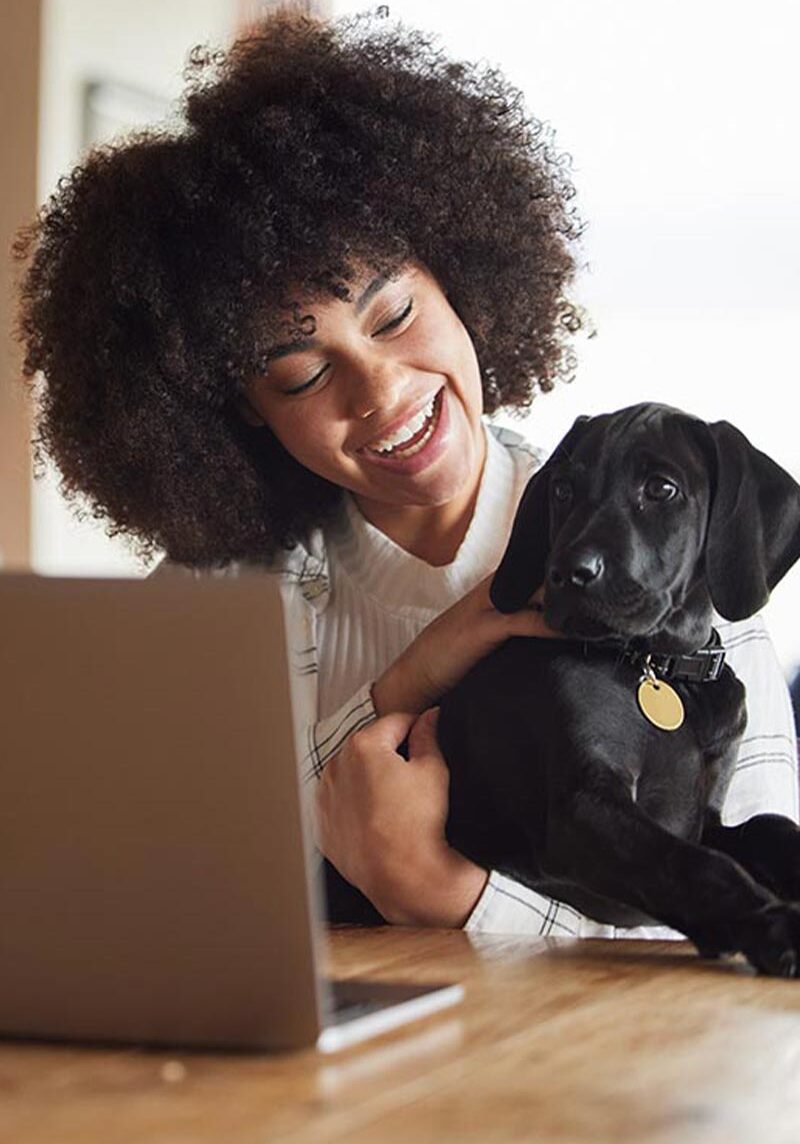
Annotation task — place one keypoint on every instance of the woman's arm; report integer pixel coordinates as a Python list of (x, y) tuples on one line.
[(380, 819), (449, 646)]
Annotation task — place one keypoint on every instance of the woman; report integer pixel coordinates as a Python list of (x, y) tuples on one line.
[(272, 338)]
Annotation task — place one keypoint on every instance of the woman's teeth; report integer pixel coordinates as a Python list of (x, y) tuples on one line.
[(406, 432)]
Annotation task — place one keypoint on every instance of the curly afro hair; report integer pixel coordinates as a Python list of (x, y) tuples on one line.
[(161, 270)]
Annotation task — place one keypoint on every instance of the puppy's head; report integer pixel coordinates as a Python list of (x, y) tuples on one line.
[(644, 518)]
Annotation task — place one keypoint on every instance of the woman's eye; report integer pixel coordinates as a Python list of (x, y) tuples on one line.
[(660, 489), (309, 383), (392, 324), (398, 319), (561, 490)]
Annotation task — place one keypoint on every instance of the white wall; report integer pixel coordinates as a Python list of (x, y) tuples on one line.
[(682, 121)]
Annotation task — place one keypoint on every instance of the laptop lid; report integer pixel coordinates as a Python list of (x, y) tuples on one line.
[(153, 880)]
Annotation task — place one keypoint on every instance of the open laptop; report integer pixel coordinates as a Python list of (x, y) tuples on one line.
[(156, 878)]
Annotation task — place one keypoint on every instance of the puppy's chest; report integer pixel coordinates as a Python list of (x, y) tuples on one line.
[(603, 701), (536, 719), (586, 705)]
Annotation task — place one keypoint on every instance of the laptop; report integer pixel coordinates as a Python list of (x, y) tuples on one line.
[(157, 881)]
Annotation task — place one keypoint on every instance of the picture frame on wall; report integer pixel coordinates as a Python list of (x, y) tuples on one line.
[(111, 109)]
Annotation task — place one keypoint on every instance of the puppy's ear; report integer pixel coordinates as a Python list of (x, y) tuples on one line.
[(754, 524), (521, 570)]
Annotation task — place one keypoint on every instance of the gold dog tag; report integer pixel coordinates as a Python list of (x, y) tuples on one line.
[(660, 704)]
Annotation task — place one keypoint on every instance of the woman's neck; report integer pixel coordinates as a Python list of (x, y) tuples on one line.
[(432, 533)]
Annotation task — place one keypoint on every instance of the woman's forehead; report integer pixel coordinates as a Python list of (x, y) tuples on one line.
[(304, 304), (356, 285)]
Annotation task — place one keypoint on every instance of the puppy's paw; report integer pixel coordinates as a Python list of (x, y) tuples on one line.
[(770, 939), (709, 952)]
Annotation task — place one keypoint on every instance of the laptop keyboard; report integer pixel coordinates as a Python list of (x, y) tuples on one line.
[(347, 1000)]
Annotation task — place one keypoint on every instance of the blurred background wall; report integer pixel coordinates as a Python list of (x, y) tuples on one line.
[(107, 65), (20, 55), (681, 120)]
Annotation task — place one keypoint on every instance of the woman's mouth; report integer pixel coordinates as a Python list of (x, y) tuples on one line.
[(421, 448)]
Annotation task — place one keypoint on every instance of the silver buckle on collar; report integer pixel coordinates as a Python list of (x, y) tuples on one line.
[(716, 661)]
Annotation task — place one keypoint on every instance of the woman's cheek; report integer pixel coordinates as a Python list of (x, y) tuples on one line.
[(315, 439)]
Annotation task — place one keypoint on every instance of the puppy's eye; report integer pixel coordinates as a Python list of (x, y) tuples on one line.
[(561, 490), (660, 489)]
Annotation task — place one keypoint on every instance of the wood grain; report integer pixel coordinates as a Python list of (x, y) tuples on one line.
[(557, 1040)]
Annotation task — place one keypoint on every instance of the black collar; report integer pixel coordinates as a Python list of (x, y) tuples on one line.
[(701, 666)]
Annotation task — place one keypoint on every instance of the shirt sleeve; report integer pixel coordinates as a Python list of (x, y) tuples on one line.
[(765, 776), (325, 737), (506, 906)]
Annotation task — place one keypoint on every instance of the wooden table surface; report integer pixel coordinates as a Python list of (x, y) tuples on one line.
[(557, 1040)]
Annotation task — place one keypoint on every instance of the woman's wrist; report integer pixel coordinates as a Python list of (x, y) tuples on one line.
[(439, 890), (393, 691)]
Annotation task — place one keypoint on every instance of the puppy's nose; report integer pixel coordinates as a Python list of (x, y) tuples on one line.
[(579, 570)]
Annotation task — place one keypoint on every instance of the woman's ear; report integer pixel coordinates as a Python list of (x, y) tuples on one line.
[(248, 413)]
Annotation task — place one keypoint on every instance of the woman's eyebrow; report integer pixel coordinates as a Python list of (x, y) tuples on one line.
[(375, 286)]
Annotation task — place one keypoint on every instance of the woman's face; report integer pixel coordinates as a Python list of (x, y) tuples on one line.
[(384, 399)]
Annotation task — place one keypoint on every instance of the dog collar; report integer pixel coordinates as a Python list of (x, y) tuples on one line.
[(702, 666), (658, 702)]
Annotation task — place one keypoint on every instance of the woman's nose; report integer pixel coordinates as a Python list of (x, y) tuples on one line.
[(376, 384)]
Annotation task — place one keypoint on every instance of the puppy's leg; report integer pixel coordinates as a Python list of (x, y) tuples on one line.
[(767, 846), (598, 837)]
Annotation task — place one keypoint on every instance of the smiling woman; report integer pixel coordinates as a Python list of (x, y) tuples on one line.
[(174, 274), (270, 338), (391, 410)]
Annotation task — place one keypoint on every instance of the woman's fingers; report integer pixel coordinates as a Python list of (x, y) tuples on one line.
[(386, 733), (422, 740), (529, 621)]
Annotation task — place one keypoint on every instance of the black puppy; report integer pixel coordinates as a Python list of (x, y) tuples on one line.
[(563, 774)]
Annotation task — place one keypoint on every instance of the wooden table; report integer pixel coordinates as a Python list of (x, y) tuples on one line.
[(557, 1040)]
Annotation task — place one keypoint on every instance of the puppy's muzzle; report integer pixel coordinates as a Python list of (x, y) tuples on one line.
[(577, 570), (588, 595)]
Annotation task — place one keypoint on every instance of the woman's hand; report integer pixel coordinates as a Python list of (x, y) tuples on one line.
[(380, 820), (445, 651)]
